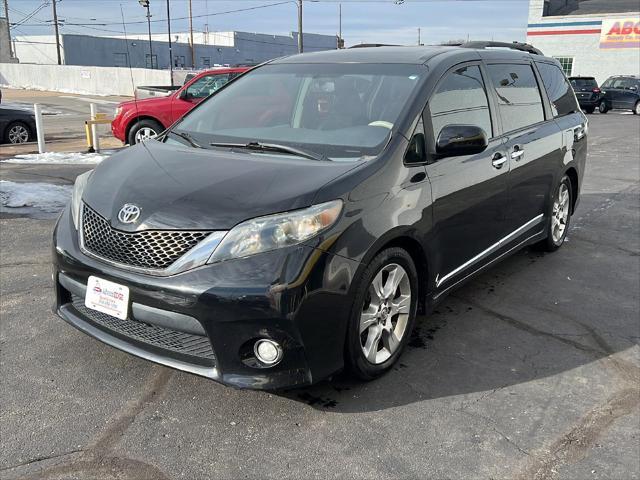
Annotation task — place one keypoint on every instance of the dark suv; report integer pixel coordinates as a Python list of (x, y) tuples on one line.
[(587, 92), (296, 221), (621, 93)]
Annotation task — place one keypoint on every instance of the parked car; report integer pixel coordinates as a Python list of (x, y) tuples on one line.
[(17, 125), (587, 92), (621, 92), (138, 120), (296, 222)]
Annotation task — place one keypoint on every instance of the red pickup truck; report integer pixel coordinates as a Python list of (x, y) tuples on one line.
[(137, 120)]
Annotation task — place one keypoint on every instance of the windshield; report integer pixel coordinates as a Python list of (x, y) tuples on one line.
[(340, 111)]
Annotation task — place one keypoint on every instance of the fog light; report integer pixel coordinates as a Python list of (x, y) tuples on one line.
[(267, 351)]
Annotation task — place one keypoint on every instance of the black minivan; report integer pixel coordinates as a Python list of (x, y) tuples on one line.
[(296, 222)]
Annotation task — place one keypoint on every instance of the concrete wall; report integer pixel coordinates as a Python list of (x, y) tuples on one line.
[(584, 47), (76, 79)]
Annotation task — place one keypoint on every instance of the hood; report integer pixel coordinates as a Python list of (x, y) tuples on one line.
[(195, 189), (15, 111), (143, 101)]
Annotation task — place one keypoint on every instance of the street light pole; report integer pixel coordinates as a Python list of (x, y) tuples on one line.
[(145, 4), (170, 50), (55, 23), (300, 46)]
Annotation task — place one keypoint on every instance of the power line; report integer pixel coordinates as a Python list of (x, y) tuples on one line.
[(106, 24)]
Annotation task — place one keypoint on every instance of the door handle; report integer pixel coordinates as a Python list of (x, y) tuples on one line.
[(498, 160), (517, 152)]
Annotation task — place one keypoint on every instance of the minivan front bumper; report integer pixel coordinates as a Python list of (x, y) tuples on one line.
[(206, 320)]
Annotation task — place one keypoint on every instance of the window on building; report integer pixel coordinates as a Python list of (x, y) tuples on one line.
[(567, 65), (151, 61), (518, 94), (559, 90), (179, 61), (205, 61), (120, 60), (461, 98)]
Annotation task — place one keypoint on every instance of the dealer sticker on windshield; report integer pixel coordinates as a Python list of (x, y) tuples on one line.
[(107, 297)]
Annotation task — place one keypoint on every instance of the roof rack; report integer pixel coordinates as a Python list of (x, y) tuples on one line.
[(523, 47), (368, 45)]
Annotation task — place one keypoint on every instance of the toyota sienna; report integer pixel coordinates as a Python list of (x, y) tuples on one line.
[(294, 223)]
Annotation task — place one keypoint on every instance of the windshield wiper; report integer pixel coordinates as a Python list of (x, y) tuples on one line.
[(187, 137), (272, 147)]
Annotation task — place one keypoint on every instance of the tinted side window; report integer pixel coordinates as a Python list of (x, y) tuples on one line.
[(206, 85), (607, 83), (461, 99), (561, 96), (518, 95), (618, 83)]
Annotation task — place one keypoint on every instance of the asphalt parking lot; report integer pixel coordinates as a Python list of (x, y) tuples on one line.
[(530, 371)]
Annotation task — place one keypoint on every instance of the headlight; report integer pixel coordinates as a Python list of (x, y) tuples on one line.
[(76, 196), (276, 231)]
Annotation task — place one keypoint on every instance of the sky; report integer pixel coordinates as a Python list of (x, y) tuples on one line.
[(363, 21)]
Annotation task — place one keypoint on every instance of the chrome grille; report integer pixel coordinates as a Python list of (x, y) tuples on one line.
[(148, 249), (159, 337)]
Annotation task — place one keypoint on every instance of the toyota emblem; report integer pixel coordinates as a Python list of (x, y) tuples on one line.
[(129, 213)]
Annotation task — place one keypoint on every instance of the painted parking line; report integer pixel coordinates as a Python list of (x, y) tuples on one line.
[(90, 100)]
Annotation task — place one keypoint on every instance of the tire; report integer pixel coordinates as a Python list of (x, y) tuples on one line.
[(390, 319), (17, 132), (143, 129), (590, 109), (636, 108), (558, 217), (603, 107)]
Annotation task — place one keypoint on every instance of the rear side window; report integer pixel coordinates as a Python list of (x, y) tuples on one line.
[(461, 99), (518, 95), (561, 96)]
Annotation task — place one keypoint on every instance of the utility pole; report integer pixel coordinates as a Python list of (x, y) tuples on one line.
[(340, 43), (170, 51), (145, 4), (193, 48), (300, 46), (6, 15), (55, 24), (419, 36)]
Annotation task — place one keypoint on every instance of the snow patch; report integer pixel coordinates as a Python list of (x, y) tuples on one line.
[(27, 197), (59, 157)]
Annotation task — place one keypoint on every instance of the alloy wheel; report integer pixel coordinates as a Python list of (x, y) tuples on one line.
[(560, 213), (385, 313), (145, 133), (18, 134), (637, 108)]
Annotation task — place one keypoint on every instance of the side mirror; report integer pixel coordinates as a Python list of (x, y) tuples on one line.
[(633, 88), (457, 140), (184, 94)]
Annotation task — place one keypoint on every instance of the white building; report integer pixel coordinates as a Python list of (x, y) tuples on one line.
[(598, 38)]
